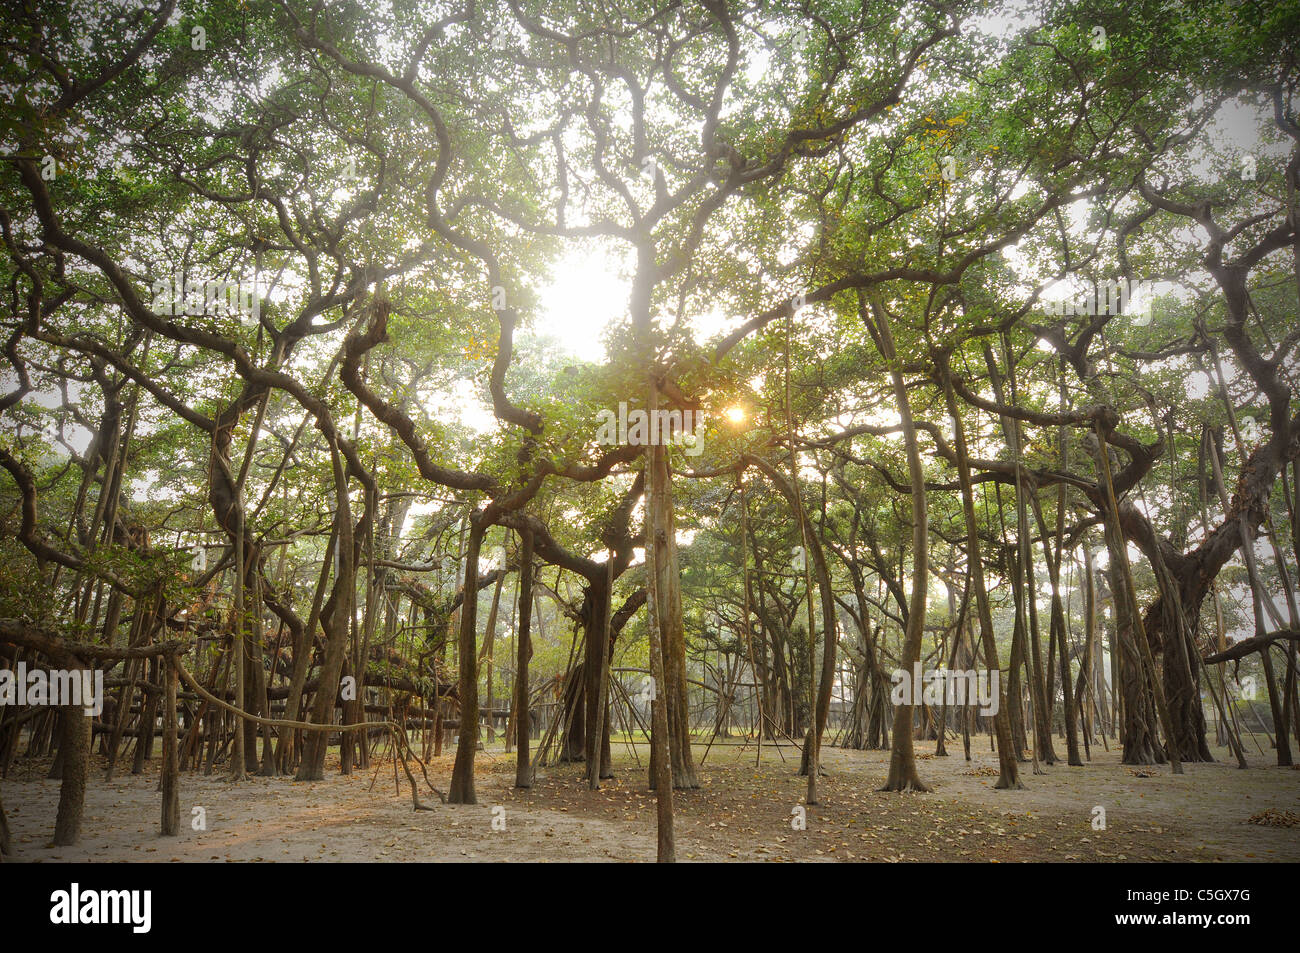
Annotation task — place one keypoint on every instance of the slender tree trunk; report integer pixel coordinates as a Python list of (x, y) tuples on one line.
[(1043, 747), (1008, 770), (335, 619), (288, 750), (902, 757), (1119, 554), (662, 770), (597, 694), (1058, 634)]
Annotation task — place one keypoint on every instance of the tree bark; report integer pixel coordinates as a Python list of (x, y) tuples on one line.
[(673, 691), (335, 620), (462, 775), (902, 757), (74, 750), (1008, 770), (661, 769), (170, 783), (523, 654)]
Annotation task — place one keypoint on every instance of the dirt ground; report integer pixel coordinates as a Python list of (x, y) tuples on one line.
[(742, 811)]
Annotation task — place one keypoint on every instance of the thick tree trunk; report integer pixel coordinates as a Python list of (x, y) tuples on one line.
[(1181, 670), (74, 751), (587, 722), (462, 775), (170, 781), (673, 691), (1139, 683), (523, 654)]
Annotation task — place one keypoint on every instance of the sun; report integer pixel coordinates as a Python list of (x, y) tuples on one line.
[(736, 415)]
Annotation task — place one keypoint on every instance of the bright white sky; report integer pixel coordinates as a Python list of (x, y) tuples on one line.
[(585, 296), (588, 294)]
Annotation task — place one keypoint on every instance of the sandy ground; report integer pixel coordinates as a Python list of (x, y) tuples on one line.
[(742, 811)]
